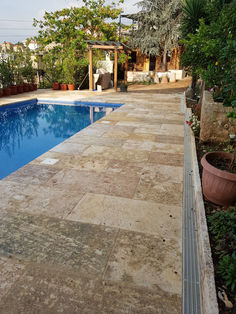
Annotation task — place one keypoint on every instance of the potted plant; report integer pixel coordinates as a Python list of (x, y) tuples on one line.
[(69, 69), (6, 76), (123, 87)]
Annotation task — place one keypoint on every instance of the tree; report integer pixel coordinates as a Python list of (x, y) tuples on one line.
[(63, 34), (70, 27), (158, 27), (193, 11)]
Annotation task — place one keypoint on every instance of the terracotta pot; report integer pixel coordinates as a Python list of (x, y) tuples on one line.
[(218, 186), (7, 91), (63, 86), (13, 90), (71, 86), (31, 87), (1, 92), (20, 88), (35, 86), (26, 87), (55, 86)]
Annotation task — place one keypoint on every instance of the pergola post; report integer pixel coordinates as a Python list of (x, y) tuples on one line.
[(126, 68), (115, 69), (91, 69)]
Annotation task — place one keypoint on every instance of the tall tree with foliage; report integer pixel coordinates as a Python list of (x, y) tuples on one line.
[(193, 11), (158, 27), (64, 32)]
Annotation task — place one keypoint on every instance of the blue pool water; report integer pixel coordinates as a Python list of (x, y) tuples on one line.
[(29, 129)]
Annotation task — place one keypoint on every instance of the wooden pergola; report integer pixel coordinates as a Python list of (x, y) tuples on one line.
[(112, 46)]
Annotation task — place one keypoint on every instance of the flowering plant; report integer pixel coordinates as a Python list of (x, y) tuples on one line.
[(194, 123)]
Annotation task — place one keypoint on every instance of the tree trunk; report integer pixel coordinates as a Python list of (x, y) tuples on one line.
[(164, 62), (194, 81)]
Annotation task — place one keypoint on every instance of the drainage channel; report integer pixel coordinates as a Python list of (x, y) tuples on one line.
[(191, 269)]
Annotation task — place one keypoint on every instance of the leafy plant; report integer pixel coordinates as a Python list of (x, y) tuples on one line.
[(6, 73), (227, 268), (222, 226)]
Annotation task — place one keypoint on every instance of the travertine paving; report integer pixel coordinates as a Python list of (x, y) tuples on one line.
[(99, 230)]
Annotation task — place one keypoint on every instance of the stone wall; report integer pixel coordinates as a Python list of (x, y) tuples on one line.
[(215, 126)]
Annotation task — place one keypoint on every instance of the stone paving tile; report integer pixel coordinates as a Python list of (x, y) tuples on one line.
[(168, 148), (126, 298), (32, 174), (143, 137), (46, 290), (50, 290), (11, 270), (82, 247), (117, 153), (137, 145), (125, 167), (153, 146), (173, 129), (169, 159), (95, 131), (37, 199), (70, 148), (170, 139), (116, 135), (99, 141), (142, 216), (67, 161), (163, 192), (154, 173), (108, 183), (146, 261)]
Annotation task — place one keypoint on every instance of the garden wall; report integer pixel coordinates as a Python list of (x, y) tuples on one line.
[(215, 126)]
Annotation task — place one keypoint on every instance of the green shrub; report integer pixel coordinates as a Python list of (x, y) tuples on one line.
[(222, 226)]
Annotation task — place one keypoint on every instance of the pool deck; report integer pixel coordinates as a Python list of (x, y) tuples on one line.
[(100, 230)]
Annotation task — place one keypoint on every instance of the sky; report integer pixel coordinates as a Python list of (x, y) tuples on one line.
[(16, 16)]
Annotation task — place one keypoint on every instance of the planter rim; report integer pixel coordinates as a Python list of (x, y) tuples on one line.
[(218, 172)]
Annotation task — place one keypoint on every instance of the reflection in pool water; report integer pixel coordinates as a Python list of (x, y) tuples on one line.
[(29, 130)]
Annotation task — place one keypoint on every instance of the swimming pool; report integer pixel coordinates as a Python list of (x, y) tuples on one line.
[(29, 129)]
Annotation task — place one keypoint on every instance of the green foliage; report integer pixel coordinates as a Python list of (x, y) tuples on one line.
[(222, 226), (6, 73), (193, 11), (70, 27), (211, 51), (28, 72), (63, 34), (158, 26), (227, 268)]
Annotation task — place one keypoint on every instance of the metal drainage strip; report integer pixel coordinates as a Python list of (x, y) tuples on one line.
[(191, 274)]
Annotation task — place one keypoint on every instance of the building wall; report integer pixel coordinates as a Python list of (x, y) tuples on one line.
[(143, 62)]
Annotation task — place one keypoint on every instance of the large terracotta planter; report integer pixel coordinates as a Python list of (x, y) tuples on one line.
[(63, 86), (13, 90), (31, 87), (1, 92), (55, 86), (7, 91), (26, 87), (218, 186), (71, 86), (35, 86), (20, 88)]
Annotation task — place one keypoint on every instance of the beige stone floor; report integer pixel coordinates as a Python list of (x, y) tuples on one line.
[(100, 231)]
